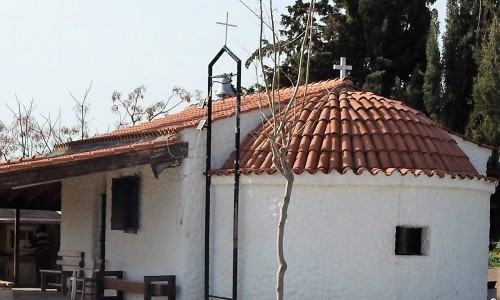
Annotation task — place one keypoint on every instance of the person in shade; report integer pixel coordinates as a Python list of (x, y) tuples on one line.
[(43, 245)]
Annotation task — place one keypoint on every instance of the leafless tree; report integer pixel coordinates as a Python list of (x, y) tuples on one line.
[(6, 142), (284, 116), (131, 111), (25, 131), (48, 133), (27, 136), (81, 129)]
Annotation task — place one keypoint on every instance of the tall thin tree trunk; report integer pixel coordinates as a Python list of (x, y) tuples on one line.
[(282, 266), (281, 134)]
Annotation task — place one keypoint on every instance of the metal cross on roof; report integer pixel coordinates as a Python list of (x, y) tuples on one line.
[(227, 25), (342, 67)]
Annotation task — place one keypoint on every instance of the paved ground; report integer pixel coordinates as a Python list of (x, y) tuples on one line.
[(35, 294)]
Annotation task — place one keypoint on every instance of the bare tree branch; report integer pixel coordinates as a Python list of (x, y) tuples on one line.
[(283, 118), (131, 112)]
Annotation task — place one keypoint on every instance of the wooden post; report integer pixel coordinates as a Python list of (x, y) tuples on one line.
[(103, 231), (16, 246)]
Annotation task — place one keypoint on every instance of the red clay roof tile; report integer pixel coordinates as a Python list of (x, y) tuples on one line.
[(339, 129), (345, 129)]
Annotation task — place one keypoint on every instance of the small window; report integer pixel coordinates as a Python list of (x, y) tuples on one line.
[(125, 204), (409, 240)]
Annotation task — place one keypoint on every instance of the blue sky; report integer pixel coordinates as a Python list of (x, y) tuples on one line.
[(53, 47)]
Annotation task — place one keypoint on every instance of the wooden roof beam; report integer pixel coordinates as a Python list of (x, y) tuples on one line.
[(34, 175)]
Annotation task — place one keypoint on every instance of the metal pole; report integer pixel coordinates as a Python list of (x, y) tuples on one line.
[(208, 180), (236, 173), (207, 183)]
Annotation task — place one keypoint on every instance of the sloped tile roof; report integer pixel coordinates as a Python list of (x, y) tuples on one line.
[(145, 135), (80, 154), (340, 129), (191, 115)]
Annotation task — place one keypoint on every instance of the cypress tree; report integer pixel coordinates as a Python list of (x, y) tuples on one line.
[(432, 88), (484, 122), (459, 65), (384, 41), (413, 91)]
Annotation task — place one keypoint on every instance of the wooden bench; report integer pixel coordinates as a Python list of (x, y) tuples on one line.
[(68, 262), (162, 285)]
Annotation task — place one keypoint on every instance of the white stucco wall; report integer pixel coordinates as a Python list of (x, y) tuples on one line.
[(478, 156), (159, 247), (223, 136), (80, 218), (340, 237)]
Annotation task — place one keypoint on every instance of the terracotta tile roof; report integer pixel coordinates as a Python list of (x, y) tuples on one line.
[(347, 129), (82, 154), (341, 128), (191, 115), (144, 135)]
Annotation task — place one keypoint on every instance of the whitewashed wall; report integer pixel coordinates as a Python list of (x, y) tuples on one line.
[(478, 156), (341, 231), (340, 237), (161, 244), (80, 217), (170, 239)]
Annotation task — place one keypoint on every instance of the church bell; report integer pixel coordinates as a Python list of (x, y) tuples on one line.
[(225, 88)]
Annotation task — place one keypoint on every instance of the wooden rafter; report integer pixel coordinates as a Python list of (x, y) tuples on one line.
[(39, 188), (69, 169)]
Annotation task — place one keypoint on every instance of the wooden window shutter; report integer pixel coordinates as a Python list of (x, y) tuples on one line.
[(125, 204)]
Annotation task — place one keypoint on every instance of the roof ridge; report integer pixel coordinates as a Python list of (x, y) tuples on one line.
[(103, 139)]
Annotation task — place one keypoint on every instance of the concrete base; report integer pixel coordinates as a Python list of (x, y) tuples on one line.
[(6, 294)]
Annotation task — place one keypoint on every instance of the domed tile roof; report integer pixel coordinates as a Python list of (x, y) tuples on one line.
[(340, 128)]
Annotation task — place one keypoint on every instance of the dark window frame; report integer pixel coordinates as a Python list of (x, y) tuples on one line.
[(125, 204)]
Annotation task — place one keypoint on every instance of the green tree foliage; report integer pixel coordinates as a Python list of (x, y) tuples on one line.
[(394, 36), (432, 88), (484, 123), (383, 40), (467, 26), (459, 65), (321, 59)]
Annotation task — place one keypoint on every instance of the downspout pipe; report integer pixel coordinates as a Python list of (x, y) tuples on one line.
[(208, 167)]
